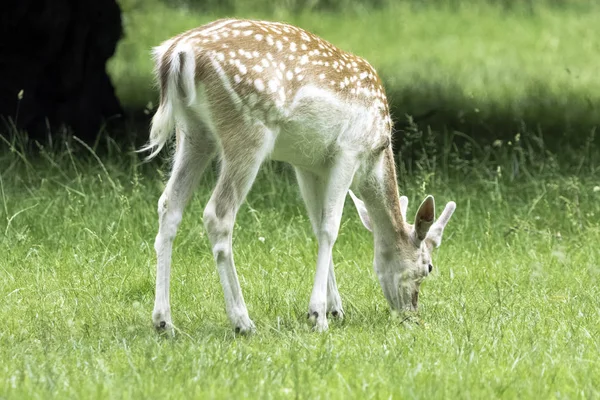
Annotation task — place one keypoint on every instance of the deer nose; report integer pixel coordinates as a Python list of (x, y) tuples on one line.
[(430, 268)]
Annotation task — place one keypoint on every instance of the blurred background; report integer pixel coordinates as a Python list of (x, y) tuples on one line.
[(480, 71)]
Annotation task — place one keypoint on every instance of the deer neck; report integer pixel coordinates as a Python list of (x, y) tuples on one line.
[(382, 200)]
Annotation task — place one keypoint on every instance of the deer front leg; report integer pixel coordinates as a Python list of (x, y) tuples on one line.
[(338, 180), (334, 301), (312, 188)]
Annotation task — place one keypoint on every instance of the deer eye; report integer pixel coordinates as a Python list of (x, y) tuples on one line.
[(430, 268)]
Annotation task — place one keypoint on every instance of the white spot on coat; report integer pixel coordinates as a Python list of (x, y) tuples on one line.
[(259, 85)]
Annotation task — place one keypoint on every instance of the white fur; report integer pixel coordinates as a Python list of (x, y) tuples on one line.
[(163, 121)]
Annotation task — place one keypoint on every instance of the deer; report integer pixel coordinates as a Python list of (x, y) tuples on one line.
[(245, 91)]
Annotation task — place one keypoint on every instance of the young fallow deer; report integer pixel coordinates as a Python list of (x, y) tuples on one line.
[(246, 90)]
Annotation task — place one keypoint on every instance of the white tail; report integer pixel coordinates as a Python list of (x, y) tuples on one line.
[(177, 90), (247, 90)]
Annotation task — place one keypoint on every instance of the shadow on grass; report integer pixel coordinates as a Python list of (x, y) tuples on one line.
[(562, 117)]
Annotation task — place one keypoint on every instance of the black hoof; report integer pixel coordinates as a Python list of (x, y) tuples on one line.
[(163, 324), (315, 314), (334, 314), (238, 329)]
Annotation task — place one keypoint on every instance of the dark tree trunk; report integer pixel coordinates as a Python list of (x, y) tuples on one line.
[(55, 51)]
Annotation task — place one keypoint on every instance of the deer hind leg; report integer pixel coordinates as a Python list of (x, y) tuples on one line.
[(240, 163), (195, 149), (312, 188), (338, 178)]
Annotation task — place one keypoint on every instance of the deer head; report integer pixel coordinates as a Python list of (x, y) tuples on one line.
[(403, 261)]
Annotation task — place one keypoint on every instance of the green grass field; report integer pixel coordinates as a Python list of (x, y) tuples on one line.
[(510, 311)]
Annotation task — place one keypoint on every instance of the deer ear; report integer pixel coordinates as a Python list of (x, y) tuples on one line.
[(425, 217), (403, 206), (362, 211), (437, 230)]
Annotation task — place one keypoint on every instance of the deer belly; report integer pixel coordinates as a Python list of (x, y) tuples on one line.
[(301, 150)]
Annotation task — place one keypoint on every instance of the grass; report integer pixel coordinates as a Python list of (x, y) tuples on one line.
[(510, 311), (489, 71)]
